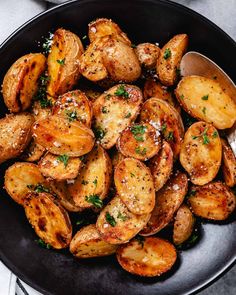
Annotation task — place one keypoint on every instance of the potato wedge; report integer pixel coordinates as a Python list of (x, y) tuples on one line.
[(147, 54), (169, 59), (166, 120), (50, 221), (63, 61), (15, 135), (228, 164), (204, 99), (183, 225), (161, 165), (20, 82), (39, 112), (33, 152), (117, 225), (200, 153), (140, 141), (61, 136), (212, 201), (134, 185), (22, 178), (116, 158), (168, 201), (114, 110), (87, 243), (148, 258)]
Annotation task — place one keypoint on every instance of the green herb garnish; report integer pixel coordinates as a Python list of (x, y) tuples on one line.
[(104, 110), (140, 151), (122, 92), (132, 174), (128, 115), (140, 240), (95, 200), (99, 133), (163, 127), (215, 134), (122, 217), (71, 115), (170, 136), (42, 244), (138, 131), (205, 97), (204, 110), (204, 136), (64, 159), (110, 219), (38, 188), (167, 53), (47, 44), (61, 61), (95, 182)]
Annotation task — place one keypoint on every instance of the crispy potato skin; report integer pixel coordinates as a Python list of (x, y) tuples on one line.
[(228, 164), (183, 225), (113, 113), (87, 243), (212, 201), (20, 82), (168, 200), (153, 257), (33, 152), (201, 152), (147, 54), (134, 185), (60, 136), (39, 210), (127, 224), (204, 99), (167, 66), (63, 62), (15, 135)]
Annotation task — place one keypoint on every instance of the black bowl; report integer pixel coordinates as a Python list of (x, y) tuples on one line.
[(59, 273)]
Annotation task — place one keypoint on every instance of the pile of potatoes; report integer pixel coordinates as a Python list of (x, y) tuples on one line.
[(73, 147)]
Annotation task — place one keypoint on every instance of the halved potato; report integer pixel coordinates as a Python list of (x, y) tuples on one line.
[(200, 153), (147, 54), (212, 201), (169, 59), (87, 243), (161, 165), (20, 82), (117, 225), (152, 257), (204, 99), (161, 115), (139, 141), (21, 178), (40, 113), (61, 136), (63, 61), (168, 201), (93, 181), (228, 164), (134, 185), (183, 225), (50, 221), (33, 152), (15, 135), (114, 110)]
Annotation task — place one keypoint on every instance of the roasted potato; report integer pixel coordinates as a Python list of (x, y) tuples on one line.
[(140, 141), (169, 59), (134, 185), (40, 112), (20, 82), (228, 164), (147, 54), (33, 152), (204, 99), (161, 165), (117, 225), (212, 201), (200, 153), (15, 135), (61, 136), (168, 201), (87, 243), (63, 61), (148, 258), (50, 221), (114, 110), (183, 225)]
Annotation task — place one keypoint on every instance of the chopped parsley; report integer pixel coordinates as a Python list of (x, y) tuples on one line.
[(205, 97), (140, 151), (215, 134), (138, 131), (190, 194), (104, 110), (122, 92), (61, 61), (204, 136), (45, 102), (99, 133), (122, 217), (95, 200), (140, 240), (170, 136), (42, 244), (128, 115), (190, 242), (181, 96), (64, 159), (95, 182), (110, 219), (47, 44), (41, 94), (163, 127), (38, 188), (167, 53), (132, 174), (204, 110), (71, 115)]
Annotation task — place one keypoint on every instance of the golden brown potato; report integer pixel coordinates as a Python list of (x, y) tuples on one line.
[(33, 152), (228, 164), (63, 61), (50, 221), (147, 54), (148, 258), (63, 136), (134, 185), (183, 225), (114, 110), (15, 135), (20, 82), (212, 201), (169, 59), (200, 153), (117, 225), (87, 243), (168, 201), (93, 182), (39, 112), (139, 141), (116, 158), (166, 120), (161, 165), (204, 99)]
